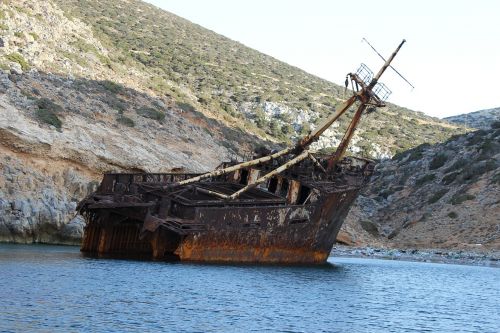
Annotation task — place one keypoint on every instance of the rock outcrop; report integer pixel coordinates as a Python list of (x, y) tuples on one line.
[(479, 119), (442, 196), (45, 171)]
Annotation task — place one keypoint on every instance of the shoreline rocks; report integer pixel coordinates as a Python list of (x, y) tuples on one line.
[(446, 256)]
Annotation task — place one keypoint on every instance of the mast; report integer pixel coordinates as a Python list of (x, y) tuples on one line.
[(366, 91)]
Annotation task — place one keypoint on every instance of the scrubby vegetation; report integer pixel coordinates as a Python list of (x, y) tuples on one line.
[(186, 107), (474, 171), (458, 198), (424, 179), (413, 154), (47, 104), (111, 86), (125, 121), (47, 112), (34, 35), (438, 161), (116, 103), (207, 72), (16, 57), (459, 164), (449, 178), (151, 113), (49, 117), (438, 195)]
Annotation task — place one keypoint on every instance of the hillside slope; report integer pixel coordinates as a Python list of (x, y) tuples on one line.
[(444, 196), (479, 119), (145, 48)]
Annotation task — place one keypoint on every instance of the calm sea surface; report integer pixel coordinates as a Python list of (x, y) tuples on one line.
[(55, 289)]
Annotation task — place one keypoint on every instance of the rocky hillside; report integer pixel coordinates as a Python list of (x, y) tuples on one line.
[(148, 49), (480, 119), (444, 196), (93, 86), (55, 142)]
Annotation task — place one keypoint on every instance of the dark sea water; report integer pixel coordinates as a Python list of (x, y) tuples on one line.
[(55, 289)]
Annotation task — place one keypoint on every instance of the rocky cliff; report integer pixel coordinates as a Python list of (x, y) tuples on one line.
[(47, 166), (444, 196)]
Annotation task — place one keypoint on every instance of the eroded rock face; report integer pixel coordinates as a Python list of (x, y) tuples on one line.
[(45, 171), (443, 196), (38, 200)]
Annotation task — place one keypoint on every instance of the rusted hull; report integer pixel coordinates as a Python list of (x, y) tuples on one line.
[(290, 219), (289, 234), (194, 251)]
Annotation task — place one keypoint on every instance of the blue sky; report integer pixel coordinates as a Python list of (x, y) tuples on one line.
[(452, 54)]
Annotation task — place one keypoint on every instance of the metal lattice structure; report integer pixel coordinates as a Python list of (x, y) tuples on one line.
[(382, 91), (365, 74)]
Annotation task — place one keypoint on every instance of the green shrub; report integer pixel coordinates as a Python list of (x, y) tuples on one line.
[(449, 178), (274, 128), (125, 121), (116, 103), (459, 164), (452, 215), (186, 107), (47, 104), (111, 86), (49, 117), (457, 199), (414, 154), (473, 172), (34, 35), (438, 161), (438, 195), (259, 117), (487, 149), (425, 179), (16, 57), (151, 113), (4, 26), (18, 34)]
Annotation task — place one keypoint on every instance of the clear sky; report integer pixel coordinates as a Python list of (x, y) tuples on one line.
[(452, 54)]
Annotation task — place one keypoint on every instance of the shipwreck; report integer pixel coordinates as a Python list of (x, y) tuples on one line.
[(285, 207)]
